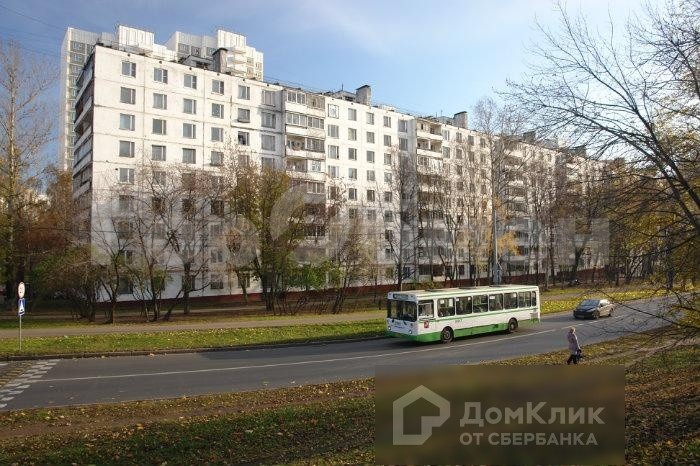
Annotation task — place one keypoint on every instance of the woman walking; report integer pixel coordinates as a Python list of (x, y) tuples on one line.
[(574, 348)]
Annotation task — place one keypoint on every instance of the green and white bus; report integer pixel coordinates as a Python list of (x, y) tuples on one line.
[(443, 314)]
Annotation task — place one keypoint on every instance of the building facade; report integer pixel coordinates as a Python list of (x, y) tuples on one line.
[(422, 187), (77, 46)]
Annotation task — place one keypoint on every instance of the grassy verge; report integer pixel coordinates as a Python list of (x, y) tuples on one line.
[(331, 423), (191, 339)]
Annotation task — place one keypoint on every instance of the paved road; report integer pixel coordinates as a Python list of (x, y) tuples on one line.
[(105, 380)]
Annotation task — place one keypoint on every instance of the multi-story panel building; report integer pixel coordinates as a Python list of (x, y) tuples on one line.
[(421, 187), (243, 61)]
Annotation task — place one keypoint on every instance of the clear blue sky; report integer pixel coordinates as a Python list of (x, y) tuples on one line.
[(424, 56)]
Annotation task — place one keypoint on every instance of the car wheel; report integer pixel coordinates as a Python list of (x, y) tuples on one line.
[(610, 312), (446, 335), (512, 325), (596, 314)]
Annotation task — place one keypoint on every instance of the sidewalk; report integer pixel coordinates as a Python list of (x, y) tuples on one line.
[(102, 329)]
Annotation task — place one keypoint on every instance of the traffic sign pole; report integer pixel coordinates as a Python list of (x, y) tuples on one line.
[(20, 310)]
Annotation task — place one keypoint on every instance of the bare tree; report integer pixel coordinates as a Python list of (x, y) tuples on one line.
[(633, 94), (501, 128), (25, 129)]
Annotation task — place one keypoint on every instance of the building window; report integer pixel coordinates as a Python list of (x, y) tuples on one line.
[(159, 126), (126, 175), (333, 111), (243, 115), (388, 216), (268, 98), (191, 81), (160, 75), (189, 156), (387, 122), (403, 144), (372, 215), (217, 110), (371, 175), (403, 126), (296, 119), (189, 130), (370, 156), (333, 171), (128, 95), (446, 152), (352, 153), (333, 131), (352, 134), (244, 92), (243, 138), (352, 114), (333, 152), (160, 101), (127, 122), (269, 120), (217, 158), (370, 137), (352, 194), (296, 97), (387, 140), (189, 106), (126, 148), (217, 87), (459, 153), (352, 213), (158, 153), (352, 173), (217, 134), (315, 166), (159, 177), (387, 159), (128, 68), (267, 142), (77, 46), (387, 196), (314, 122), (370, 118)]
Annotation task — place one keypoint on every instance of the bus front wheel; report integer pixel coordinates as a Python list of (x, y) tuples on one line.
[(446, 335), (512, 325)]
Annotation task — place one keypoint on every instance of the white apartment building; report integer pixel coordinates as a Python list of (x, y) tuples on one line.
[(245, 61), (421, 180)]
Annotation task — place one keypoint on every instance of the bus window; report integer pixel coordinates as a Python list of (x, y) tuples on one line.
[(510, 300), (524, 299), (534, 298), (464, 305), (495, 302), (409, 311), (425, 309), (446, 307), (481, 303)]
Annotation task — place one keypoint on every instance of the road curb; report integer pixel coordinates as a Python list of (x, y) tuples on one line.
[(30, 357)]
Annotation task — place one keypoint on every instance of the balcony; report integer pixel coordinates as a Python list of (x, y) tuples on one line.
[(303, 131), (301, 173), (434, 133), (303, 154)]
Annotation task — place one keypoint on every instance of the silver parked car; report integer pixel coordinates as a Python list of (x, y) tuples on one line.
[(593, 308)]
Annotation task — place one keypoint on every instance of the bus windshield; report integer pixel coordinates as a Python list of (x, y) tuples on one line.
[(401, 310)]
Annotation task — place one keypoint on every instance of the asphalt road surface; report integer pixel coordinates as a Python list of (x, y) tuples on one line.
[(114, 379)]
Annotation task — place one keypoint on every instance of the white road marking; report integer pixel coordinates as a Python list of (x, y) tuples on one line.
[(23, 381)]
